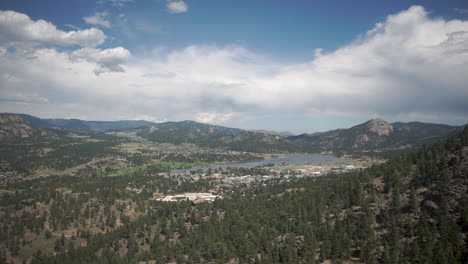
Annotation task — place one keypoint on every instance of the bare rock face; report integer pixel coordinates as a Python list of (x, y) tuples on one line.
[(14, 126), (380, 127)]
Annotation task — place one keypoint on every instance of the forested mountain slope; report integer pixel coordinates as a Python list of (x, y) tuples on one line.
[(206, 135), (14, 128), (374, 137), (413, 209), (26, 148), (96, 126)]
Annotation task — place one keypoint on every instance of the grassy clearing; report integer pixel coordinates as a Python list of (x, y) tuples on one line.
[(131, 147), (131, 135)]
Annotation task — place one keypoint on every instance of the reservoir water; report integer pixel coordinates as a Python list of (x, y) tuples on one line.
[(290, 159)]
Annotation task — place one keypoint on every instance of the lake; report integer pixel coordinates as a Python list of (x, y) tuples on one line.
[(290, 159)]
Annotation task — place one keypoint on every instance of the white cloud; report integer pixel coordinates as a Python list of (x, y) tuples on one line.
[(98, 19), (410, 65), (176, 7), (214, 118), (107, 60), (16, 28)]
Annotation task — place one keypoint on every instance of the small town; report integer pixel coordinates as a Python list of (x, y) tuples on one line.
[(223, 179)]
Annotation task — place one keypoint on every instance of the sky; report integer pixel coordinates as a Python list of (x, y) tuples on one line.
[(300, 66)]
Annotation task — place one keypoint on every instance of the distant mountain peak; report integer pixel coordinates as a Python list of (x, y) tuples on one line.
[(379, 127)]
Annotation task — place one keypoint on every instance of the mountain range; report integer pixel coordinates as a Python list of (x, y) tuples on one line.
[(96, 126), (375, 137)]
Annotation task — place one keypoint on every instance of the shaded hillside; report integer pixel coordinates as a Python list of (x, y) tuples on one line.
[(259, 142), (374, 137), (96, 126), (26, 148), (211, 136), (99, 126), (188, 132)]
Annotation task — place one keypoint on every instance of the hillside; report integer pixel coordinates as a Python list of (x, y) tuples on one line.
[(188, 132), (27, 149), (374, 137), (96, 126), (14, 127), (30, 151), (211, 136)]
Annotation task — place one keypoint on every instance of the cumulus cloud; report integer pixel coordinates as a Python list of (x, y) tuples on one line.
[(176, 7), (98, 19), (18, 28), (107, 60), (410, 65)]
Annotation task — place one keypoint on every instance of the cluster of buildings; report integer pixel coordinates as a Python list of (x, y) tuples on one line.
[(274, 173), (314, 171), (195, 198), (278, 174)]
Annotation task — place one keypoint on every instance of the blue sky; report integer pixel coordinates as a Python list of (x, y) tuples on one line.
[(302, 66), (287, 30)]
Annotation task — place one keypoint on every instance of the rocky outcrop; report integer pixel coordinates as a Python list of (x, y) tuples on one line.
[(379, 127), (12, 126)]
